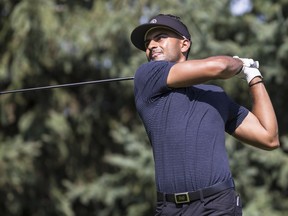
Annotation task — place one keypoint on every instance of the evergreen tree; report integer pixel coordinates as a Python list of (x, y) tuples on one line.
[(83, 150)]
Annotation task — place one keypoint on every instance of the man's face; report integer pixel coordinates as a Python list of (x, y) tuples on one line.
[(163, 44)]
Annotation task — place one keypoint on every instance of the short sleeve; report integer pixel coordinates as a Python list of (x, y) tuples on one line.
[(150, 80), (237, 114)]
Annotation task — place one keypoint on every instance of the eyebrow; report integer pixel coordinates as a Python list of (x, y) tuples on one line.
[(147, 40)]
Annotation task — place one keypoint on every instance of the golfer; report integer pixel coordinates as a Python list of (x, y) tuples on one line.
[(186, 120)]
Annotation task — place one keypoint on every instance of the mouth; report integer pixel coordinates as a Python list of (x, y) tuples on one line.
[(155, 54)]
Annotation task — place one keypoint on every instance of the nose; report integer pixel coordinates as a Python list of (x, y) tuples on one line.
[(152, 44)]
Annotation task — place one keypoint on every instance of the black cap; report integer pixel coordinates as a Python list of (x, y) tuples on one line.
[(161, 20)]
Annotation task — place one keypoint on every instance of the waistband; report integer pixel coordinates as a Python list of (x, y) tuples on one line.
[(187, 197)]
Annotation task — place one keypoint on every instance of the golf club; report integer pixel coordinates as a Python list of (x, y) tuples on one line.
[(66, 85)]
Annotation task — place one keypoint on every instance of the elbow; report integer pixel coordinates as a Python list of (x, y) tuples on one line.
[(272, 143), (267, 143), (272, 147)]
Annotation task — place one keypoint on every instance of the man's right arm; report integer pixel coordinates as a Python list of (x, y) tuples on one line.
[(191, 72)]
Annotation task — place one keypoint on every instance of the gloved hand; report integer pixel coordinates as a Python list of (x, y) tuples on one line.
[(248, 62), (250, 73), (250, 69)]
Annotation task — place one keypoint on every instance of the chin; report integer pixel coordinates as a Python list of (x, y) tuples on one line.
[(160, 58)]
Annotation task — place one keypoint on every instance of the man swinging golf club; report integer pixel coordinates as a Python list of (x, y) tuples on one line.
[(186, 120)]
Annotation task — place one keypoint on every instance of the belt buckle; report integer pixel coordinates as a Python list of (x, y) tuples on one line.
[(181, 198)]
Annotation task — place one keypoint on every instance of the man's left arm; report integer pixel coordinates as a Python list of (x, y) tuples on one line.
[(260, 127)]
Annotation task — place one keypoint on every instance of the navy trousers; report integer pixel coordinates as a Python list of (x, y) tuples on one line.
[(224, 203)]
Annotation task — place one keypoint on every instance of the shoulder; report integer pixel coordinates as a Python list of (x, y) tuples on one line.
[(152, 71), (155, 66), (151, 78)]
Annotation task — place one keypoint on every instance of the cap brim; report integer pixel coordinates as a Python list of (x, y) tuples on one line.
[(138, 34)]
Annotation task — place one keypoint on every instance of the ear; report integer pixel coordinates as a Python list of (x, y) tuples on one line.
[(185, 45)]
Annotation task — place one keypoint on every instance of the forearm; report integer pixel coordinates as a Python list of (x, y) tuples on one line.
[(263, 109), (193, 72), (225, 66)]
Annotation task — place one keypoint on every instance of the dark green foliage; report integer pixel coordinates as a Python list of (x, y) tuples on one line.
[(83, 150)]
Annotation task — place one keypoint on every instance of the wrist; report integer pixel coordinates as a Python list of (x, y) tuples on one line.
[(255, 81)]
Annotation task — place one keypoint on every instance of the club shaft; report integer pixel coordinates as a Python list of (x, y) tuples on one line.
[(66, 85)]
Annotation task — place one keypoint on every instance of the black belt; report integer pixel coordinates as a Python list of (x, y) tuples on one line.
[(187, 197)]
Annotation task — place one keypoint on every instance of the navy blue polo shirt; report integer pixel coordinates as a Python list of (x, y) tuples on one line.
[(186, 128)]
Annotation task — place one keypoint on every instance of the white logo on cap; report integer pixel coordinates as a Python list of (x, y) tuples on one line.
[(153, 21)]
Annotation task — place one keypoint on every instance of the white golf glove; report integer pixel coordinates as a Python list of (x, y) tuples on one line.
[(250, 69), (248, 62), (250, 73)]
